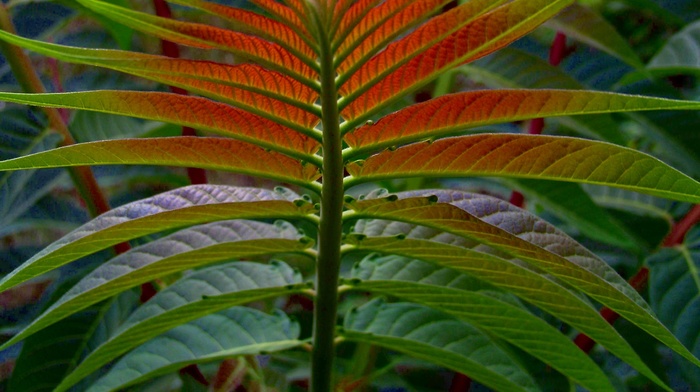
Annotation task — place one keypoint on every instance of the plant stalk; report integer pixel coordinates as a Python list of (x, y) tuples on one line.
[(330, 227)]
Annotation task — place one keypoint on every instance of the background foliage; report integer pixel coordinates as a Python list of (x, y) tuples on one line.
[(651, 47)]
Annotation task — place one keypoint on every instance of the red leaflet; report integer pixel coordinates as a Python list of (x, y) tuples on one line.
[(231, 92), (195, 112), (382, 24), (450, 114), (415, 43), (208, 37), (353, 15), (282, 13), (484, 35), (252, 23)]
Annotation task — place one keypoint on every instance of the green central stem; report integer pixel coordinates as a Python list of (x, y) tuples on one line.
[(330, 228)]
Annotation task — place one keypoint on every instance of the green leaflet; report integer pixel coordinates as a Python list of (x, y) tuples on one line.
[(434, 336), (681, 54), (248, 332), (576, 269), (181, 207), (586, 25), (529, 285), (186, 249), (512, 324), (223, 154), (204, 292)]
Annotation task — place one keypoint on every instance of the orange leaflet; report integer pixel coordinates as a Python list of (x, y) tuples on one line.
[(282, 13), (252, 23), (209, 37), (183, 151), (231, 92), (401, 51), (382, 24), (530, 156), (341, 9), (451, 114), (354, 14), (195, 112)]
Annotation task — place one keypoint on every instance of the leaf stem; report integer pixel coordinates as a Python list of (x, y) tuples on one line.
[(24, 72), (330, 230)]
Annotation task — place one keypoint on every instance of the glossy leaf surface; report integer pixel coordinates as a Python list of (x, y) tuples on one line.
[(250, 332), (203, 292), (500, 319), (181, 207), (465, 253), (186, 249), (431, 335), (591, 276), (530, 156)]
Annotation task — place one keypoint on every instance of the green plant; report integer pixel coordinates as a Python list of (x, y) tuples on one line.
[(476, 280)]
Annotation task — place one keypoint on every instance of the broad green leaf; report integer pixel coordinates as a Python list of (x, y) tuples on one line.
[(255, 24), (204, 292), (209, 37), (186, 249), (587, 26), (530, 156), (397, 268), (201, 152), (437, 337), (681, 54), (452, 114), (497, 318), (248, 332), (50, 354), (186, 206), (573, 205), (562, 260), (375, 85), (674, 294), (181, 110)]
